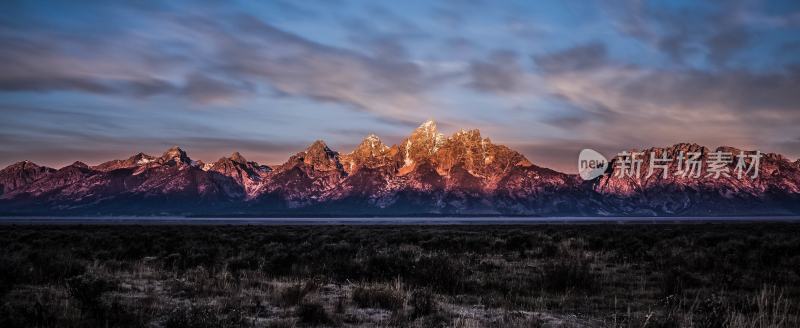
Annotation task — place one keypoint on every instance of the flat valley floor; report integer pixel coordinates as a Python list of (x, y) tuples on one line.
[(715, 274)]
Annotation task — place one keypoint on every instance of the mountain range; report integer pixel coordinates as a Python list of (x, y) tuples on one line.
[(425, 174)]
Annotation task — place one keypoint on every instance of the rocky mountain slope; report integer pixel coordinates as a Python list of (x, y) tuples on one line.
[(21, 174), (701, 192), (425, 174)]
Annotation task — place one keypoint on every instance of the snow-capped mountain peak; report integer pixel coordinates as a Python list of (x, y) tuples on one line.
[(237, 157), (426, 173), (423, 142), (175, 154)]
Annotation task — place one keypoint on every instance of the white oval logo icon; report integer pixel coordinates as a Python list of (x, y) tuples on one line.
[(591, 164)]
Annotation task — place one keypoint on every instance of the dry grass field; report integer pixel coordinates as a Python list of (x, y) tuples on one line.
[(600, 275)]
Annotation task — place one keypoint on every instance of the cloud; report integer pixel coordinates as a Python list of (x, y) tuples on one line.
[(209, 57), (501, 72), (714, 32), (93, 150), (637, 106), (299, 67), (203, 88), (42, 63), (742, 91), (58, 136), (651, 73), (578, 58), (723, 44)]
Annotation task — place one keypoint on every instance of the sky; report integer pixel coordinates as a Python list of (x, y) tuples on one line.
[(100, 80)]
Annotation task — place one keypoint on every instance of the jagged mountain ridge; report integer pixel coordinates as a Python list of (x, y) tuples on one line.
[(425, 174), (20, 174), (777, 185)]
